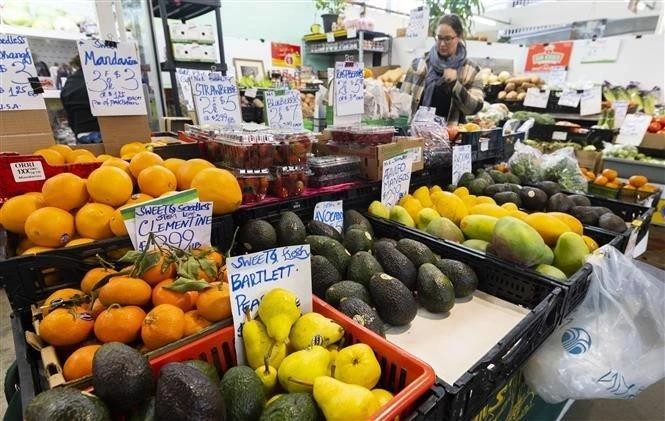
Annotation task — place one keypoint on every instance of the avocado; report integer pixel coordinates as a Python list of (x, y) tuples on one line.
[(121, 376), (208, 369), (360, 227), (435, 291), (416, 251), (493, 189), (363, 314), (386, 241), (485, 176), (533, 198), (185, 393), (512, 178), (580, 200), (331, 249), (347, 289), (549, 187), (462, 276), (497, 176), (394, 263), (356, 240), (507, 197), (612, 222), (589, 215), (257, 235), (560, 202), (479, 171), (477, 186), (290, 230), (465, 179), (451, 188), (362, 266), (479, 245), (243, 394), (291, 407), (143, 412), (516, 188), (353, 217), (393, 300), (66, 404), (321, 228), (324, 275)]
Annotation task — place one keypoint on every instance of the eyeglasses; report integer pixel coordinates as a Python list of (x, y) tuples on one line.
[(445, 40)]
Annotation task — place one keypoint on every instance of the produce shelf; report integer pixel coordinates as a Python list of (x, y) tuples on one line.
[(195, 65), (627, 167), (185, 9), (343, 34)]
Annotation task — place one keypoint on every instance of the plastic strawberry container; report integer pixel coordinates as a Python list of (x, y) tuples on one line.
[(365, 135), (292, 148), (253, 183), (332, 165), (288, 181)]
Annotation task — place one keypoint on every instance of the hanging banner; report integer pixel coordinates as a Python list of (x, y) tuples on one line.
[(113, 77), (285, 55), (349, 93), (16, 68), (284, 109), (543, 57), (215, 99)]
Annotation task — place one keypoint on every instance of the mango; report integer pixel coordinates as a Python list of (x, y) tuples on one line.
[(413, 207), (435, 188), (478, 245), (570, 253), (379, 210), (591, 243), (573, 223), (404, 199), (516, 241), (450, 206), (425, 216), (510, 206), (549, 227), (436, 196), (518, 214), (551, 271), (461, 192), (422, 195), (446, 229), (399, 214), (478, 227), (485, 199), (469, 201), (489, 209)]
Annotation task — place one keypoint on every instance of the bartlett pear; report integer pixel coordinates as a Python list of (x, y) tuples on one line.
[(340, 401), (299, 369), (314, 329), (258, 345), (279, 311)]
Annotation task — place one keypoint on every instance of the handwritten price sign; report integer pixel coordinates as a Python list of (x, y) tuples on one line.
[(182, 225), (284, 110), (16, 66), (349, 94), (396, 178), (215, 99), (113, 78)]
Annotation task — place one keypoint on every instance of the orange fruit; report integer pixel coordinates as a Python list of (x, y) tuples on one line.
[(65, 191), (84, 159), (219, 187), (610, 174), (97, 308), (194, 322), (93, 276), (138, 198), (638, 180), (143, 160), (210, 254), (214, 303), (132, 148), (92, 221), (76, 153), (65, 294), (36, 250), (119, 324), (648, 188), (629, 187), (118, 163), (50, 227), (16, 210), (162, 325), (125, 291), (79, 241), (154, 274), (157, 180), (174, 164), (63, 150), (612, 184), (600, 180), (188, 171), (66, 326), (79, 363), (51, 156), (183, 300), (117, 223), (103, 157), (110, 186)]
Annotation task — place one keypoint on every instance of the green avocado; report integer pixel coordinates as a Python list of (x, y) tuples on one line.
[(291, 407), (396, 264), (208, 369), (362, 266), (290, 230), (321, 228), (465, 179), (462, 276), (393, 300), (331, 249), (324, 275), (257, 235), (347, 289), (353, 217), (356, 240), (363, 314), (243, 393), (435, 291), (66, 404), (477, 186), (416, 251), (185, 393)]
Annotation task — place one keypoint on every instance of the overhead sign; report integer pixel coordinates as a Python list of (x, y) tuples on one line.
[(182, 225), (349, 92), (396, 178), (284, 109), (215, 99), (16, 68), (285, 55), (331, 213), (543, 57)]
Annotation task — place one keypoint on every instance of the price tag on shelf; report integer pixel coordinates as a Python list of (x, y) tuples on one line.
[(396, 178), (349, 93), (284, 109), (633, 129), (112, 77), (182, 225), (330, 37), (620, 111), (484, 144), (251, 276), (216, 99), (331, 213), (461, 161), (569, 98), (536, 98), (590, 101), (251, 92), (556, 135), (351, 32), (16, 67)]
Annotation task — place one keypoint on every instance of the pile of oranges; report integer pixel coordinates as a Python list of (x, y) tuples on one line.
[(71, 210), (609, 178), (160, 298)]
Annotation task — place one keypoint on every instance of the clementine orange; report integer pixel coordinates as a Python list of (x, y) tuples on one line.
[(638, 180), (119, 324), (194, 322), (79, 363), (125, 291), (183, 300), (93, 276), (66, 326), (162, 325), (214, 304), (165, 268), (610, 174)]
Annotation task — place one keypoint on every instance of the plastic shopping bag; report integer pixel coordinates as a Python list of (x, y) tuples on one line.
[(561, 166), (613, 345)]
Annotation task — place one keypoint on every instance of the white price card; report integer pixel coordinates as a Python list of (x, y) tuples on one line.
[(16, 67), (557, 135), (351, 32), (185, 87), (331, 213), (418, 23), (590, 101), (251, 92), (462, 161), (396, 178), (182, 225), (633, 129), (349, 92), (27, 171), (557, 77), (216, 99), (253, 275), (536, 98), (330, 36), (620, 111), (569, 98), (113, 77), (284, 109)]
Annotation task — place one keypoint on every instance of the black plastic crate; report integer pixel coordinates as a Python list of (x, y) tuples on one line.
[(181, 150), (485, 144), (509, 141)]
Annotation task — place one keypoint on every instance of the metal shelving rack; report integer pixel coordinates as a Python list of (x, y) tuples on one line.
[(361, 36), (185, 10)]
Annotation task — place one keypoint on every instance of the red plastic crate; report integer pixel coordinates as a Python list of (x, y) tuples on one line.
[(401, 373)]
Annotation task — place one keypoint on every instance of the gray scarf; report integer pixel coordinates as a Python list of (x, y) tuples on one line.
[(435, 67)]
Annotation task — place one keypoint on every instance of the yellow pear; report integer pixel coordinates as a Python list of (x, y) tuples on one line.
[(279, 311), (258, 345), (343, 402), (314, 329), (357, 364), (299, 369)]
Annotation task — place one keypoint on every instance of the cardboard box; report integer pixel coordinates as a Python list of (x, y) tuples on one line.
[(174, 124), (25, 131), (372, 157), (379, 70), (400, 33), (653, 141), (96, 148), (119, 130), (591, 160)]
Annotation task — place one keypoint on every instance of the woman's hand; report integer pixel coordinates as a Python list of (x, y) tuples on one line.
[(450, 75)]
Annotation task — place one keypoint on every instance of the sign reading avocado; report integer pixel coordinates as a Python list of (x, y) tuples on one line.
[(396, 178), (253, 275), (331, 213)]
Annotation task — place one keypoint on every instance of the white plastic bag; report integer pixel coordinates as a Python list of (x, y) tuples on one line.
[(613, 345), (562, 166)]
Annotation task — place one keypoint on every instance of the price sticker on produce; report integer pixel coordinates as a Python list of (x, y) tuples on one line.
[(284, 110), (16, 67), (396, 178), (112, 77), (349, 92), (216, 99), (331, 213), (461, 161), (253, 275)]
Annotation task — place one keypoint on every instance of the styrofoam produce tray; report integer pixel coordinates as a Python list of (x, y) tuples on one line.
[(452, 343)]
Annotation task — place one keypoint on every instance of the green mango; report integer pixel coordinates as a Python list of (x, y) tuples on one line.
[(514, 240), (570, 253), (478, 227)]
